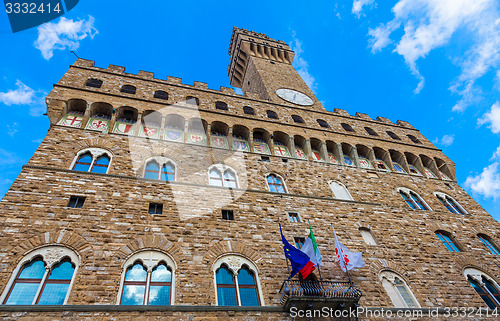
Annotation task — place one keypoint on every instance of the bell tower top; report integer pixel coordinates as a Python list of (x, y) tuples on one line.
[(262, 65)]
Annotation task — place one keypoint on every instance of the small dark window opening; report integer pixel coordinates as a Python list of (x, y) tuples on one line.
[(129, 89), (155, 208), (92, 82), (76, 201), (299, 242), (370, 131), (347, 127), (228, 215), (248, 110), (297, 119), (293, 217), (323, 123), (285, 160), (190, 100), (265, 158), (220, 105), (393, 136), (414, 139), (271, 114), (160, 94)]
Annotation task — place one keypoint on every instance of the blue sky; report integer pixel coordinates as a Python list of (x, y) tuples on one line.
[(434, 63)]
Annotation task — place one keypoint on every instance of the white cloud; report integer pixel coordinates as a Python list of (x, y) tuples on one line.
[(430, 24), (65, 34), (37, 141), (445, 141), (492, 118), (12, 129), (9, 158), (24, 95), (357, 6), (487, 183), (300, 64)]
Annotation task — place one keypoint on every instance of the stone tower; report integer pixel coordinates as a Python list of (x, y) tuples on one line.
[(154, 199)]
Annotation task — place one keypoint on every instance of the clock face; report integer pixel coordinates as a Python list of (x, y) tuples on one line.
[(294, 96)]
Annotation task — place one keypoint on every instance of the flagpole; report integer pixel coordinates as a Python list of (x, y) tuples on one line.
[(343, 261), (319, 270)]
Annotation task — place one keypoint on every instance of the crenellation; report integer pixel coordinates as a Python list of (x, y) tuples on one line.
[(342, 112), (117, 69), (383, 120), (146, 74), (363, 116), (202, 85), (174, 80)]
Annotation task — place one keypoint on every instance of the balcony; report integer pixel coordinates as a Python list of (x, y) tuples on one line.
[(318, 294)]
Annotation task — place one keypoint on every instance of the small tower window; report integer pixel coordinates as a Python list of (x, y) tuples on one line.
[(275, 184), (414, 139), (294, 217), (299, 242), (228, 215), (160, 94), (190, 100), (393, 136), (248, 110), (323, 123), (370, 131), (76, 201), (297, 119), (347, 127), (128, 89), (155, 209), (271, 114), (93, 82), (220, 105)]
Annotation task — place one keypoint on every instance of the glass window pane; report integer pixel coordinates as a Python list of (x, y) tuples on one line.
[(62, 271), (152, 166), (53, 294), (248, 297), (151, 175), (82, 167), (280, 189), (245, 277), (226, 296), (23, 293), (167, 177), (406, 296), (224, 276), (136, 273), (33, 270), (159, 295), (133, 294), (99, 169), (490, 286), (85, 158), (482, 293), (161, 274), (215, 174), (102, 160)]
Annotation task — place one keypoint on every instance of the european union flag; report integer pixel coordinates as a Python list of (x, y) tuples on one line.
[(299, 260)]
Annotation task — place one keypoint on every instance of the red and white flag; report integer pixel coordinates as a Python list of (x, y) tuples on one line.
[(348, 260)]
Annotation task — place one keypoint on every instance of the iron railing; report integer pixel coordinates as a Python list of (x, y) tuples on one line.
[(319, 289)]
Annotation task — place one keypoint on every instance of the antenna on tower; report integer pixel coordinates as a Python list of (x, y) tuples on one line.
[(75, 54)]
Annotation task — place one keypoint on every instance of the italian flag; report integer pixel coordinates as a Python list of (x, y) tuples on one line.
[(310, 248)]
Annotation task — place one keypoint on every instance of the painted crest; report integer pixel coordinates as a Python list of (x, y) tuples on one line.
[(98, 124), (317, 156), (261, 148), (364, 163), (173, 135), (72, 121), (398, 168), (241, 145), (281, 150), (444, 176), (347, 161), (123, 128), (429, 173), (300, 153), (196, 138), (149, 131), (219, 141), (332, 158)]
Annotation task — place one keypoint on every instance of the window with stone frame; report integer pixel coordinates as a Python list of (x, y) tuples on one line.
[(248, 110), (451, 205), (43, 277), (490, 245), (398, 290), (94, 160), (148, 279), (237, 282), (160, 168), (413, 200), (447, 240), (340, 191), (275, 184), (222, 175), (485, 287), (129, 89), (294, 217)]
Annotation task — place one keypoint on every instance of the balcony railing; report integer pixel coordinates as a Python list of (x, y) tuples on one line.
[(325, 291)]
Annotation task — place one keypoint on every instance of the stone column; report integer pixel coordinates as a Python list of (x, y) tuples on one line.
[(291, 146), (307, 149), (340, 153), (323, 152), (230, 138), (354, 156)]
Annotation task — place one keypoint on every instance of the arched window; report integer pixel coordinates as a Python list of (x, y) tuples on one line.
[(414, 170), (43, 277), (160, 94), (393, 136), (446, 239), (129, 89), (236, 282), (190, 100), (413, 199), (275, 183), (271, 114), (347, 127), (489, 244), (370, 131), (484, 285), (340, 191), (297, 119), (160, 168), (248, 110), (220, 105), (94, 160), (397, 289), (148, 279), (93, 82), (323, 123), (414, 139), (221, 175), (450, 204)]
